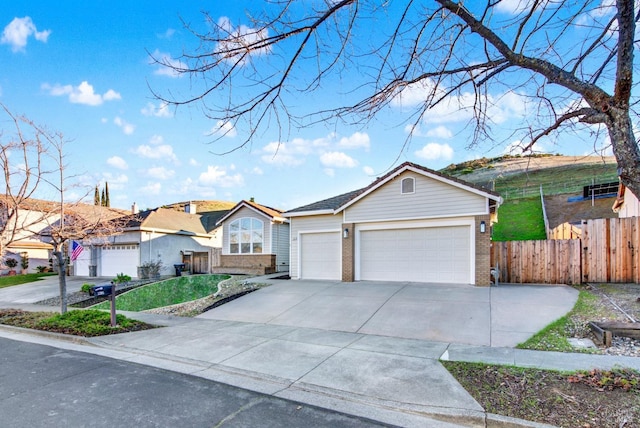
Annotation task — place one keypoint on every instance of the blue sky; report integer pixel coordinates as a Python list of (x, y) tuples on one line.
[(83, 69)]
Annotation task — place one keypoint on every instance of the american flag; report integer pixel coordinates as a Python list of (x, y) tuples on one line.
[(76, 250)]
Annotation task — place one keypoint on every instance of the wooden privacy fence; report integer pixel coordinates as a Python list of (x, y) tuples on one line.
[(542, 262), (607, 251)]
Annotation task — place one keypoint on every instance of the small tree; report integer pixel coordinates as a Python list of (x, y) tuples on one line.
[(24, 261), (96, 196), (33, 157)]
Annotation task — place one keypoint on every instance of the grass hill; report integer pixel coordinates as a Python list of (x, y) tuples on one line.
[(518, 180)]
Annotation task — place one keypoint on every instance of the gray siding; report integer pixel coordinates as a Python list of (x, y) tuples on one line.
[(315, 223), (431, 199), (246, 212), (281, 246)]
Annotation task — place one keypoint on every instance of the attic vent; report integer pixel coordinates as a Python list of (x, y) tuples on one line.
[(408, 185)]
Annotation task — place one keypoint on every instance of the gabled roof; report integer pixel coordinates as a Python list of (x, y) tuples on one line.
[(88, 212), (271, 213), (338, 203), (166, 220)]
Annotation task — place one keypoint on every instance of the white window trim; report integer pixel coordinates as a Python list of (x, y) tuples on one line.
[(402, 192), (239, 220)]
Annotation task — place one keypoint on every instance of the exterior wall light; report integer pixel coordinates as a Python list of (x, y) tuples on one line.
[(345, 233), (483, 227)]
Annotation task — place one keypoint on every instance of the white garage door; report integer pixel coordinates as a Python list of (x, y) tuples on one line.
[(120, 259), (320, 254), (436, 254)]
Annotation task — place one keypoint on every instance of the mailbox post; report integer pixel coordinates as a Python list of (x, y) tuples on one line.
[(113, 304), (107, 290)]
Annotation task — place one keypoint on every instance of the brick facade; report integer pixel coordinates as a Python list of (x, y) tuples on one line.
[(483, 251), (348, 274), (254, 264)]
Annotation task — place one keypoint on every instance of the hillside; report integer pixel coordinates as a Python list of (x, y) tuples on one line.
[(517, 176), (518, 181), (203, 206)]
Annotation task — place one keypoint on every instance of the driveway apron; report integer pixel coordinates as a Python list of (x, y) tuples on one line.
[(488, 316)]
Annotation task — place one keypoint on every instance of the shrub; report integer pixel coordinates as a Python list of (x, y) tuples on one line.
[(42, 269), (86, 288), (11, 263), (24, 262), (122, 278)]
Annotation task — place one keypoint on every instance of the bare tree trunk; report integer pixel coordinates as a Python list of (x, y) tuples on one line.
[(62, 279), (625, 149)]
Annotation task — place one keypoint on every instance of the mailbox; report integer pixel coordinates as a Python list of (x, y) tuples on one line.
[(102, 290)]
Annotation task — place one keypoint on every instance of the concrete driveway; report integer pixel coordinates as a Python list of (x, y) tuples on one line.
[(501, 316)]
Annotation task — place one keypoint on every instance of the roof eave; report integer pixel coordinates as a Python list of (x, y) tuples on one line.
[(306, 213)]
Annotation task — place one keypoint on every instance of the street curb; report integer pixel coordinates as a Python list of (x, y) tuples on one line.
[(78, 340)]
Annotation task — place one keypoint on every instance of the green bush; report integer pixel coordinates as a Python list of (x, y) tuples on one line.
[(86, 288), (85, 323), (121, 278)]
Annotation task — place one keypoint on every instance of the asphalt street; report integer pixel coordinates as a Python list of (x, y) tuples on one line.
[(42, 386)]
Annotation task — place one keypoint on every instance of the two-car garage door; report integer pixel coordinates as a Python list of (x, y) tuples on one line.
[(430, 254), (423, 254)]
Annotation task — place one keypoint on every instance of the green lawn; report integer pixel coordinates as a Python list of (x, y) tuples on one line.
[(8, 281), (519, 220), (166, 293)]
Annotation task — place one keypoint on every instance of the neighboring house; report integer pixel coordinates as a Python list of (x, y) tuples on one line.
[(413, 224), (34, 218), (166, 235), (255, 240), (626, 204)]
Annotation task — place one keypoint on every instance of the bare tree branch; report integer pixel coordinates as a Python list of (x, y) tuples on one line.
[(256, 77)]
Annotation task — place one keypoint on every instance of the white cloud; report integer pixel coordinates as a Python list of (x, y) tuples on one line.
[(166, 65), (163, 151), (156, 140), (240, 40), (415, 93), (151, 189), (290, 154), (223, 129), (161, 110), (441, 132), (330, 172), (355, 141), (19, 30), (434, 151), (218, 176), (118, 181), (294, 152), (461, 108), (81, 94), (368, 170), (257, 171), (337, 160), (117, 162), (126, 127), (160, 172), (167, 34), (194, 162)]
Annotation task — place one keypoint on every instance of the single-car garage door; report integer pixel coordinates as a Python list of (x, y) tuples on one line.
[(320, 254), (117, 259), (435, 254)]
